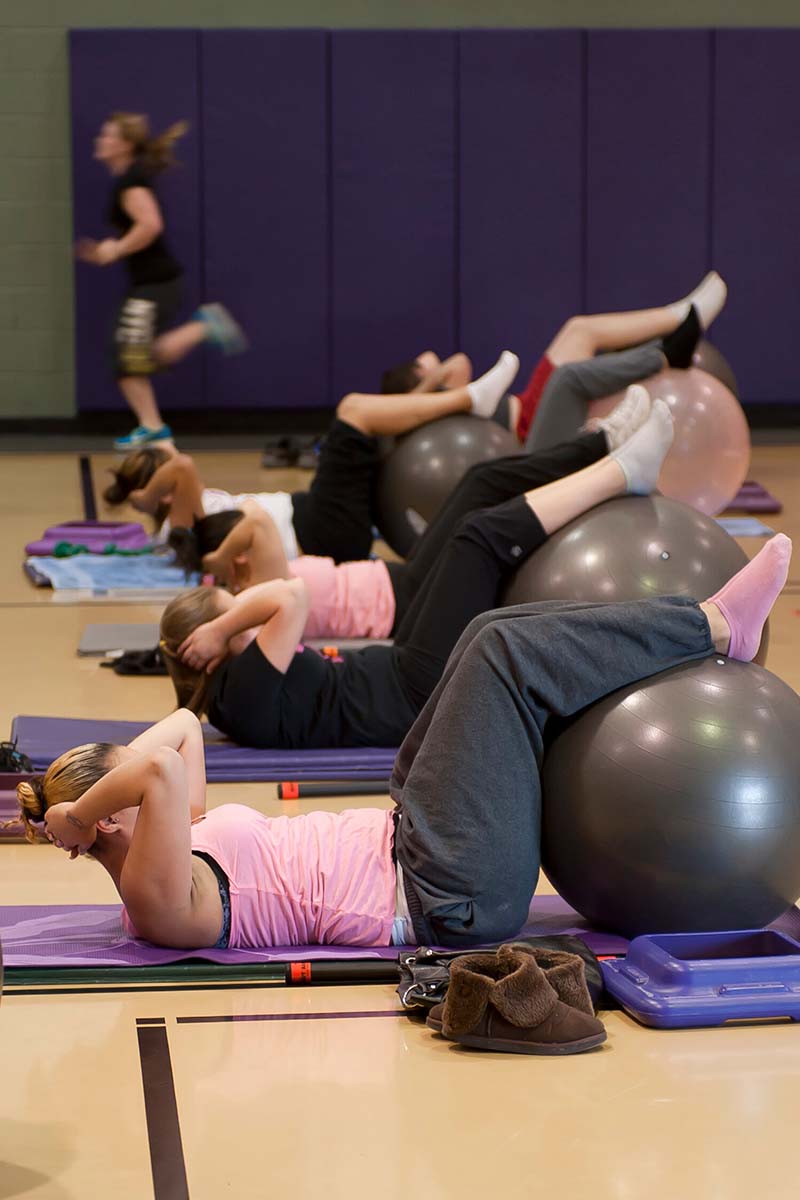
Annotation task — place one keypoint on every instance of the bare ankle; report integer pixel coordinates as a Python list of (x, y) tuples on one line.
[(719, 627)]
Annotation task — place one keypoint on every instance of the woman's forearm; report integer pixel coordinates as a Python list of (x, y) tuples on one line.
[(123, 787), (180, 731), (258, 605), (256, 539), (238, 541), (139, 237), (164, 480)]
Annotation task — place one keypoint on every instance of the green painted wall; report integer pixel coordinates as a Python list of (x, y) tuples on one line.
[(36, 361)]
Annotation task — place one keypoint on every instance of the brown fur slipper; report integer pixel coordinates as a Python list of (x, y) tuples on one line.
[(565, 973), (502, 1000)]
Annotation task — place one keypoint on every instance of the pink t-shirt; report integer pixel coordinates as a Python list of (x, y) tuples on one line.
[(319, 879), (355, 599)]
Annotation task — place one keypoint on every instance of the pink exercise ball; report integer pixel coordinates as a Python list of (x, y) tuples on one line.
[(710, 456)]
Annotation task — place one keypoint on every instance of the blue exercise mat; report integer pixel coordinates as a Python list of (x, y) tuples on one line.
[(107, 573), (745, 527), (43, 739)]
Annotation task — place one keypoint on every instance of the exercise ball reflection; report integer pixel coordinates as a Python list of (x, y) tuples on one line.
[(426, 465), (710, 454), (672, 805)]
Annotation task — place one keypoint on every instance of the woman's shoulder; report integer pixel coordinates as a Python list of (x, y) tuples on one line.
[(226, 816), (137, 175)]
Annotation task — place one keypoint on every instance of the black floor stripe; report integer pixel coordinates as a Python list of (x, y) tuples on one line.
[(320, 1016), (87, 489), (161, 1109)]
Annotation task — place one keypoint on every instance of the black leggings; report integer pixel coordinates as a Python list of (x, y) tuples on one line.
[(483, 486), (334, 518), (468, 580)]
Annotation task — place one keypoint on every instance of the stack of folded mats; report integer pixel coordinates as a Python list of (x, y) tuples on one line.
[(101, 557)]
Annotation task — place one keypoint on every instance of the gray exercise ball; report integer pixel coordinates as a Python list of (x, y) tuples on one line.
[(672, 805), (424, 468), (711, 360), (631, 548)]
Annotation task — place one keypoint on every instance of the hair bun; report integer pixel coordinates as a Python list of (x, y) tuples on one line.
[(115, 493), (30, 794)]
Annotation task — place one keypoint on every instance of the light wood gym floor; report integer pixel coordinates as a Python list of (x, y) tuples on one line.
[(352, 1099)]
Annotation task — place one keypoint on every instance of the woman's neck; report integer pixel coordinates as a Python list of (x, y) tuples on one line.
[(111, 852), (118, 166)]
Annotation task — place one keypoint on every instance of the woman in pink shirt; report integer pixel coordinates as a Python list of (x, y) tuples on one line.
[(229, 877), (457, 861)]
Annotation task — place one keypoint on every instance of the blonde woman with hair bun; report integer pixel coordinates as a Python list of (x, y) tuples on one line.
[(143, 342)]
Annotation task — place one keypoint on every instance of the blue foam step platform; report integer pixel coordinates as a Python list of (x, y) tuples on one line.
[(685, 980)]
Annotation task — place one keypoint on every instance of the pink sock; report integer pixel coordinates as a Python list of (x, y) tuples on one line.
[(745, 601)]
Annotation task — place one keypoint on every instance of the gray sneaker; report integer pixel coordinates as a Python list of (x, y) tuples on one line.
[(223, 330)]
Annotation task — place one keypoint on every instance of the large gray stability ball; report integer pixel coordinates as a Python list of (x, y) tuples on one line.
[(426, 465), (672, 805), (631, 548)]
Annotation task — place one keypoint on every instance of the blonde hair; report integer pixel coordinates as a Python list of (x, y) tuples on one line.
[(155, 151), (64, 782), (180, 618)]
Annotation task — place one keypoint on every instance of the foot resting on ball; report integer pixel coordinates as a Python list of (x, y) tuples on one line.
[(679, 346), (486, 392), (640, 458), (746, 600), (623, 421), (708, 298)]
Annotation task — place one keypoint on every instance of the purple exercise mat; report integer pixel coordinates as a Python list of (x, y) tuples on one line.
[(44, 738), (87, 935), (752, 497), (125, 535), (92, 935)]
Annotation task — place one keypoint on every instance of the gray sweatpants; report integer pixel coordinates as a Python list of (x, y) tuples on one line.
[(562, 408), (467, 777)]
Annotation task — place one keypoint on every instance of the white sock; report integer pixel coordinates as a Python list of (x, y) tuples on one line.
[(623, 421), (486, 392), (642, 455), (708, 298)]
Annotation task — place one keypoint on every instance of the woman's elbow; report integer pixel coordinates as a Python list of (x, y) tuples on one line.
[(297, 593), (165, 765), (191, 721)]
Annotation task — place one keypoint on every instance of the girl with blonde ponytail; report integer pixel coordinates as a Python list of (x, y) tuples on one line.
[(143, 342)]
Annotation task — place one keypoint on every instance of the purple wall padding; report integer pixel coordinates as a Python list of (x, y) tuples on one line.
[(154, 72), (393, 191), (648, 166), (521, 190), (756, 212), (265, 185)]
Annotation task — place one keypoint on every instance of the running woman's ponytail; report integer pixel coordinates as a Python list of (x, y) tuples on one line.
[(155, 151)]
